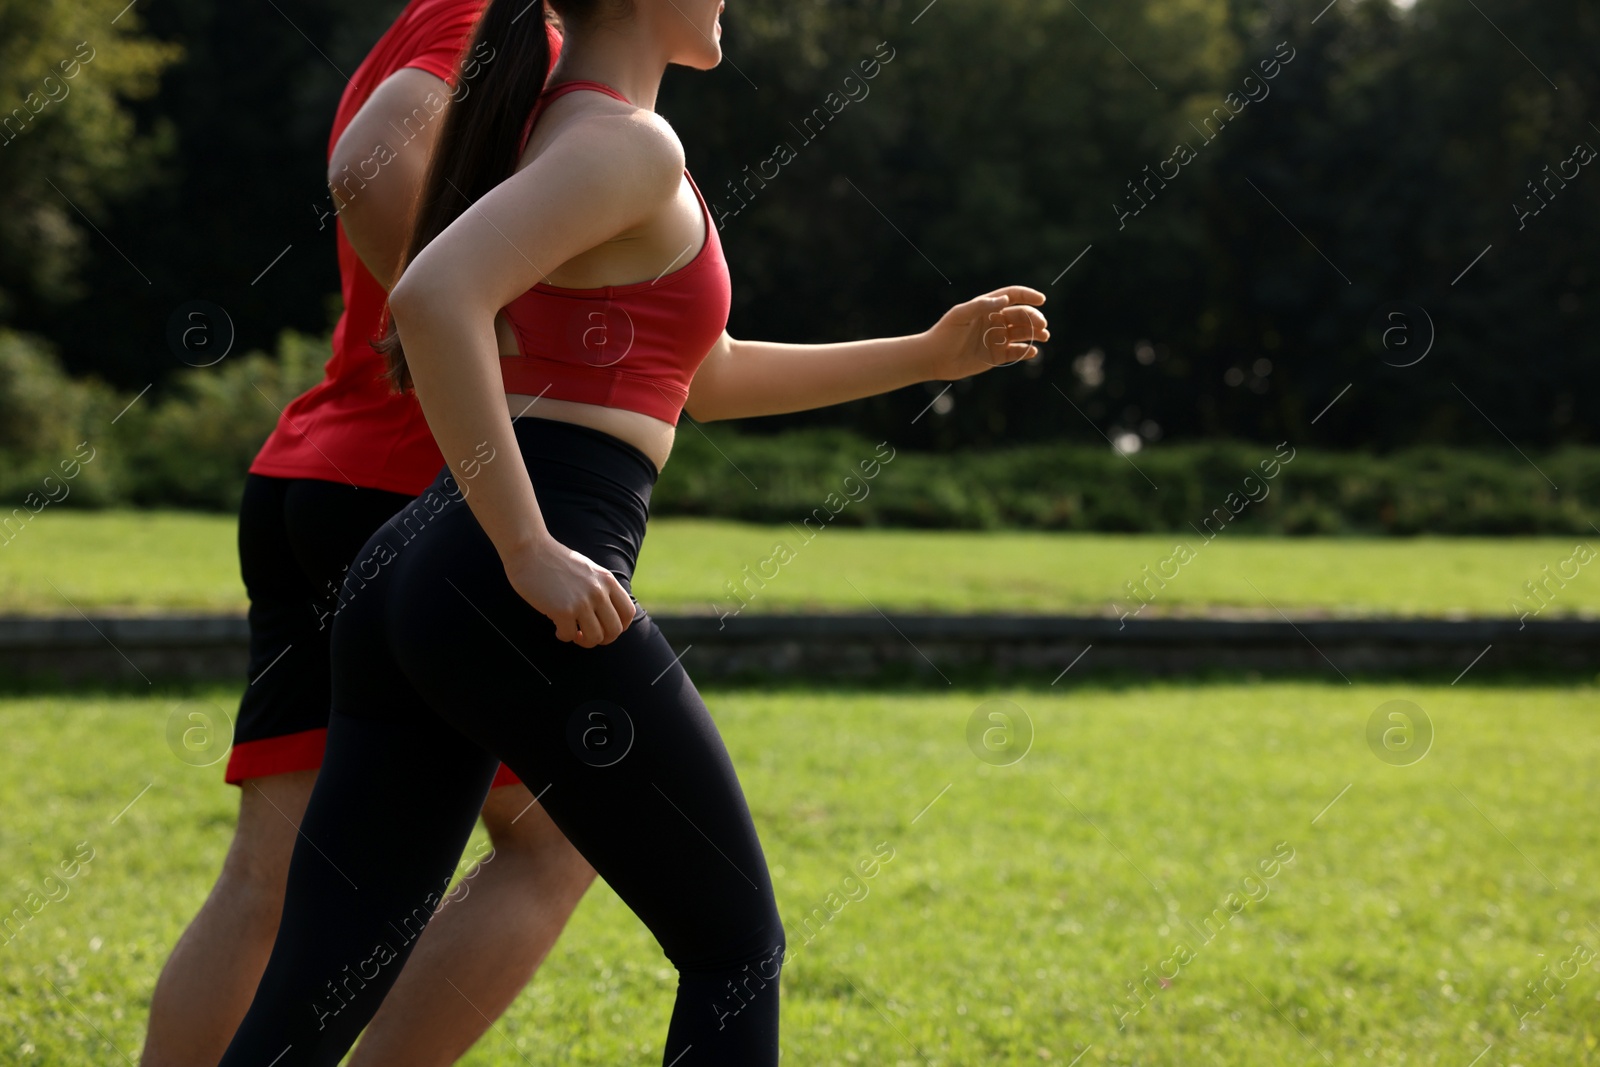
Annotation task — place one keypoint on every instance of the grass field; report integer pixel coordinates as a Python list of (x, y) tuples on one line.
[(1019, 902), (144, 561)]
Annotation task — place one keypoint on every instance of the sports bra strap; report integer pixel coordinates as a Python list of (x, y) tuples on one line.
[(564, 88), (556, 91)]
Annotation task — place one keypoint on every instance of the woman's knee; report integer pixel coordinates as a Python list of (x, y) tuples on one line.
[(749, 943), (733, 989)]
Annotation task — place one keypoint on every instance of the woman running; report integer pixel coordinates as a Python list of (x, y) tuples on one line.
[(344, 458), (562, 258)]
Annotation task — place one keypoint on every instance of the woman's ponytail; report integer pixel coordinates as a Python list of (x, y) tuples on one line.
[(481, 136)]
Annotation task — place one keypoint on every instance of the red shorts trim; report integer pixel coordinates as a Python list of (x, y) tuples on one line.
[(300, 752), (276, 755)]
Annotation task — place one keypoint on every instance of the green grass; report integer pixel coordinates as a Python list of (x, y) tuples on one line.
[(1019, 900), (157, 561)]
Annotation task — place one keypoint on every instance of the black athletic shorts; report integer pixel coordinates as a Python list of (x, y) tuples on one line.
[(297, 539)]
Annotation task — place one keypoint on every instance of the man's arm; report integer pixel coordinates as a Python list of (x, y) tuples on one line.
[(378, 166)]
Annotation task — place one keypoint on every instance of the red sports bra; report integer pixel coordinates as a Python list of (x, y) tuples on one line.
[(635, 346)]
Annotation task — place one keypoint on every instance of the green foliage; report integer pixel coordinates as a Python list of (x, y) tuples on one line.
[(1168, 488), (190, 445), (193, 447), (69, 144), (45, 417), (1005, 138), (1001, 142)]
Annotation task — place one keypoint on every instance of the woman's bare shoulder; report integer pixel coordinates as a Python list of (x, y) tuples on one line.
[(631, 146)]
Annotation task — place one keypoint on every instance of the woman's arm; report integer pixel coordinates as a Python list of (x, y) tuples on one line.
[(743, 379), (378, 165), (603, 177)]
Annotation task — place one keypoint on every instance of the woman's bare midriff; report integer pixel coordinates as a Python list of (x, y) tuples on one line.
[(649, 435)]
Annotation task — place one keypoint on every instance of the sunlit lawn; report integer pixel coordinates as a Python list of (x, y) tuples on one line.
[(1020, 900), (157, 561)]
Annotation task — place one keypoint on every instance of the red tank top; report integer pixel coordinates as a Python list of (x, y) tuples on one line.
[(635, 346)]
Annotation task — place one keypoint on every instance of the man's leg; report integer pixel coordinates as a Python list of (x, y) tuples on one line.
[(208, 981), (211, 976), (486, 941)]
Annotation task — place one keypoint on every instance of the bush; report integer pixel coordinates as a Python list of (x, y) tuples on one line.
[(47, 425), (191, 447), (1179, 487)]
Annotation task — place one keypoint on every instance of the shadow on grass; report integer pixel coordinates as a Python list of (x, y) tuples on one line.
[(902, 679), (907, 679)]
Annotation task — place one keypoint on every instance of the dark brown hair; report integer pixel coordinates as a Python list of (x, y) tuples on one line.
[(480, 138)]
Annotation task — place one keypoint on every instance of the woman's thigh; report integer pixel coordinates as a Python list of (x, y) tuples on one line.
[(615, 741)]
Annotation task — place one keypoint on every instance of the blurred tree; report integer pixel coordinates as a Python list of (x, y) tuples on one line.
[(988, 151), (250, 106), (68, 144), (995, 141), (1391, 160)]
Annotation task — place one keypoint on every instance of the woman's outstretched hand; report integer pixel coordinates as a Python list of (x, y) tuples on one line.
[(584, 600), (994, 330)]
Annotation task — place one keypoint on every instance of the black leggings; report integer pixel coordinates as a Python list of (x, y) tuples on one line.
[(439, 670)]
